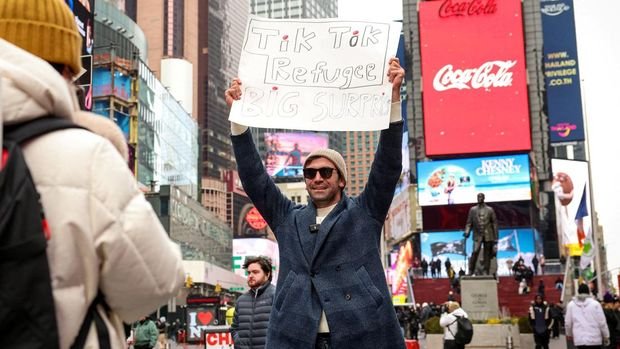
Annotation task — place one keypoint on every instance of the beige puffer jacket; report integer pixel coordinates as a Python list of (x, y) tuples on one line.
[(105, 235)]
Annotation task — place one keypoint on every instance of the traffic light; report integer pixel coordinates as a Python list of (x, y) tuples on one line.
[(188, 281), (218, 288)]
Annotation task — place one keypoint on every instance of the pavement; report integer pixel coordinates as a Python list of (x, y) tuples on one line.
[(559, 343)]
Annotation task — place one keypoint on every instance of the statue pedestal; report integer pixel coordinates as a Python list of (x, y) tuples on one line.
[(479, 297)]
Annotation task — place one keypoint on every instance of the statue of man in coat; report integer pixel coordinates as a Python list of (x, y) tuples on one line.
[(483, 222)]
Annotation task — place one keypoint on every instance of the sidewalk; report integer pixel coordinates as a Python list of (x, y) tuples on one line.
[(559, 343)]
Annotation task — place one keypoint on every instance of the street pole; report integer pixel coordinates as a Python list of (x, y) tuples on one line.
[(594, 225)]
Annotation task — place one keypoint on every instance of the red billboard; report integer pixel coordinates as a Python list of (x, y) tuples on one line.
[(474, 84)]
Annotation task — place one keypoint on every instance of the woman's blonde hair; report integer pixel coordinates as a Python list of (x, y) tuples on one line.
[(452, 306)]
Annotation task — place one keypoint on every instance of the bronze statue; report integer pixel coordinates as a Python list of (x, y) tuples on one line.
[(483, 222)]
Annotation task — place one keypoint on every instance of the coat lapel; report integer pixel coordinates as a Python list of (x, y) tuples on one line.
[(303, 220), (326, 227)]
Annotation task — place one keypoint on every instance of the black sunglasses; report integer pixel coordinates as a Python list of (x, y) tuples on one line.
[(326, 172)]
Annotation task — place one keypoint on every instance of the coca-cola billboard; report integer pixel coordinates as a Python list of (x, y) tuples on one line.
[(473, 77)]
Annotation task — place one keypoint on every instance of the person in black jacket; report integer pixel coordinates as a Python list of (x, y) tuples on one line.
[(251, 319), (424, 268), (541, 322)]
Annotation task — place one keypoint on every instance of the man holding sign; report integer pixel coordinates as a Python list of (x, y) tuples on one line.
[(333, 292)]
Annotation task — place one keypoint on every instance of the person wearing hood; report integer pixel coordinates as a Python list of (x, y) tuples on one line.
[(585, 321), (105, 237)]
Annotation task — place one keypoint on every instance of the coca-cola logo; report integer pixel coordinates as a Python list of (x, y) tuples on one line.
[(489, 74), (451, 8)]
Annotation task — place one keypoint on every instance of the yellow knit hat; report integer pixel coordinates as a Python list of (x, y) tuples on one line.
[(45, 28)]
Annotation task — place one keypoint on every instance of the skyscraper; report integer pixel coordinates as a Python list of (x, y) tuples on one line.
[(294, 8), (171, 29), (226, 24)]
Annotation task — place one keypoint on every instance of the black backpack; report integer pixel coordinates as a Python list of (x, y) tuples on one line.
[(464, 330), (27, 314)]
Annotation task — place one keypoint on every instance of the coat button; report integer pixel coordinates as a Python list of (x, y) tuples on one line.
[(347, 296)]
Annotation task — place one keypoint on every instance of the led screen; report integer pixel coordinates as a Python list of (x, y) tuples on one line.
[(458, 181), (473, 77), (286, 152), (512, 244)]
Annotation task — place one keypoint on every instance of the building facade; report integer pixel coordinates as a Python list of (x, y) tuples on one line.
[(161, 135)]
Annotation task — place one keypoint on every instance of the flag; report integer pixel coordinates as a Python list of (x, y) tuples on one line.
[(506, 243), (455, 247), (585, 241), (588, 251), (582, 211)]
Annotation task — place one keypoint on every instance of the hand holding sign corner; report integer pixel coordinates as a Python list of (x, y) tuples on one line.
[(396, 75), (316, 75)]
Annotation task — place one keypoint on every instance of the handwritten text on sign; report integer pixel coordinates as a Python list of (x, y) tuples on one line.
[(316, 74)]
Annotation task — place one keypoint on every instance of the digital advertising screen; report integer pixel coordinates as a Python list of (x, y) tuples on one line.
[(405, 177), (286, 152), (513, 244), (399, 269), (83, 10), (458, 181), (474, 77), (103, 85), (571, 186)]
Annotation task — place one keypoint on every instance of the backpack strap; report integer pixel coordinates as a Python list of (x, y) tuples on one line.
[(28, 130), (103, 336), (457, 319)]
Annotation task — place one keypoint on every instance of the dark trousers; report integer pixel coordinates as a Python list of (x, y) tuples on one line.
[(555, 329), (451, 344), (488, 255), (142, 346), (541, 340), (589, 347), (323, 341)]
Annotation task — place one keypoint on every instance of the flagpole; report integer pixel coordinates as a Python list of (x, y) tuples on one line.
[(594, 225)]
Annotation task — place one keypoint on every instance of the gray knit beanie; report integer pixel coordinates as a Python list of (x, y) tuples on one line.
[(332, 156)]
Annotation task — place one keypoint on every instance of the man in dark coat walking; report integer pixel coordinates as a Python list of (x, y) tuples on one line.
[(251, 319), (332, 291)]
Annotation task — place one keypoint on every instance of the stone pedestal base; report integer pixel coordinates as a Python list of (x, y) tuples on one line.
[(479, 297)]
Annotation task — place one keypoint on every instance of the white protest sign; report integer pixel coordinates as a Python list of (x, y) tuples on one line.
[(316, 74)]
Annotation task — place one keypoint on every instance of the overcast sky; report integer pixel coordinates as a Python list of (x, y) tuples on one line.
[(598, 30), (371, 9), (599, 61)]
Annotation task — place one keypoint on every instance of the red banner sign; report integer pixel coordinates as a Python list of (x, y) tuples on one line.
[(474, 79), (218, 340)]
